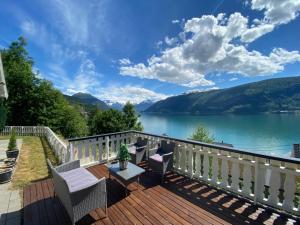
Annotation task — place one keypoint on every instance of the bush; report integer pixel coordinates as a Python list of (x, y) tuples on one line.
[(203, 135), (12, 141)]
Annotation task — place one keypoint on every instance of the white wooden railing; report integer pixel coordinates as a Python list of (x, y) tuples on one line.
[(58, 146), (97, 149), (264, 179)]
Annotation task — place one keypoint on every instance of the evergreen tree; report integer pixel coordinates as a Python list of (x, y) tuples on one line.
[(203, 135), (131, 118)]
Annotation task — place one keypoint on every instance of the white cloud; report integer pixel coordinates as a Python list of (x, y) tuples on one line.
[(171, 41), (212, 47), (253, 33), (86, 79), (277, 11), (233, 79), (124, 61), (134, 94), (175, 21), (201, 90)]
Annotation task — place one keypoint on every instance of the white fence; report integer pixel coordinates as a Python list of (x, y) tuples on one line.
[(264, 179), (58, 146)]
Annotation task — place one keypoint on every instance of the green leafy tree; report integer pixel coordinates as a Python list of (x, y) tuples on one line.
[(20, 82), (131, 118), (202, 134), (33, 101), (107, 122), (112, 120)]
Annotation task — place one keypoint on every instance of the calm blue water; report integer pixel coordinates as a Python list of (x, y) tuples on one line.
[(269, 134)]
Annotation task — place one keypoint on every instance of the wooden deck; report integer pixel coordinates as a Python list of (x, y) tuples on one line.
[(178, 200)]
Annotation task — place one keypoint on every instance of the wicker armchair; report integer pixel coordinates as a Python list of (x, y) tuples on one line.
[(161, 158), (79, 191), (137, 150)]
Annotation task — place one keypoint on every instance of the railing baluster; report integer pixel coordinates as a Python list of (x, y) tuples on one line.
[(274, 183), (197, 164), (190, 150), (205, 167), (215, 168), (235, 173), (224, 182)]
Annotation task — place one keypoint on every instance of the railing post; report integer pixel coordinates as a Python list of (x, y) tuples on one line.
[(260, 180), (107, 147), (71, 150)]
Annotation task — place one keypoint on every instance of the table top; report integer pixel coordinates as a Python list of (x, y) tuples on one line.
[(127, 174)]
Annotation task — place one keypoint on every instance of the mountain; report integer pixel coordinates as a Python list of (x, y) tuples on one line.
[(273, 95), (114, 105), (140, 107), (86, 100)]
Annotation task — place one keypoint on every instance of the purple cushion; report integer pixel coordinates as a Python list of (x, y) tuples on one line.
[(78, 179), (157, 158), (132, 149)]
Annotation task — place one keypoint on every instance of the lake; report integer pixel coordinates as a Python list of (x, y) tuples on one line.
[(265, 133)]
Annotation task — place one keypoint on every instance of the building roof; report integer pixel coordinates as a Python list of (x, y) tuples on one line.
[(3, 89)]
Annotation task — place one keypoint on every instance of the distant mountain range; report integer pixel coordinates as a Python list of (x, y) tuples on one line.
[(268, 96), (88, 102), (140, 107)]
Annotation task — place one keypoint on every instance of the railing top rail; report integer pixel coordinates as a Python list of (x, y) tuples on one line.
[(97, 136), (223, 148)]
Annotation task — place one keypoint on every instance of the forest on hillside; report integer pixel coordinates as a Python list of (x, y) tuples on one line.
[(33, 101)]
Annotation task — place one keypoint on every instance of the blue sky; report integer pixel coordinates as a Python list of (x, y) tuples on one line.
[(149, 50)]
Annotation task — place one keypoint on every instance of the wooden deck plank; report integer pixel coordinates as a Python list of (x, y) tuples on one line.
[(34, 207), (26, 205), (178, 200)]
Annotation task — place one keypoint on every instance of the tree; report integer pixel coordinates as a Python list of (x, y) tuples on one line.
[(20, 82), (203, 135), (112, 120), (33, 101), (108, 121), (131, 118)]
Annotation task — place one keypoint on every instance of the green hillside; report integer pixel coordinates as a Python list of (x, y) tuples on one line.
[(273, 95), (86, 100)]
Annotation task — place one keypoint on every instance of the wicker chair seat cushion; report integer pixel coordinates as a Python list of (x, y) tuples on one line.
[(78, 179), (157, 157)]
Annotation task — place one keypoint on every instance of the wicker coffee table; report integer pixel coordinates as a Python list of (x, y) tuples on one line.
[(127, 176)]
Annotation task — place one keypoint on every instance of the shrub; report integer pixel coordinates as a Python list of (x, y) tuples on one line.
[(203, 135), (12, 141)]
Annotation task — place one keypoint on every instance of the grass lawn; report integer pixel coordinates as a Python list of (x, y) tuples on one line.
[(32, 164)]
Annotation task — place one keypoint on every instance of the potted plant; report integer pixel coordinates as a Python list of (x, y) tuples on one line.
[(6, 170), (12, 151), (123, 156), (5, 174)]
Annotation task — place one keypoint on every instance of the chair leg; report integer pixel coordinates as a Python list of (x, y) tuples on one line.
[(106, 211)]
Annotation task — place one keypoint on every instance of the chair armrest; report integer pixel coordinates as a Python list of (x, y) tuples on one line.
[(68, 166), (131, 144), (141, 147), (167, 156)]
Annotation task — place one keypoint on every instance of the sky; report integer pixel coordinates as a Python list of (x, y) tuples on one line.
[(139, 50)]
